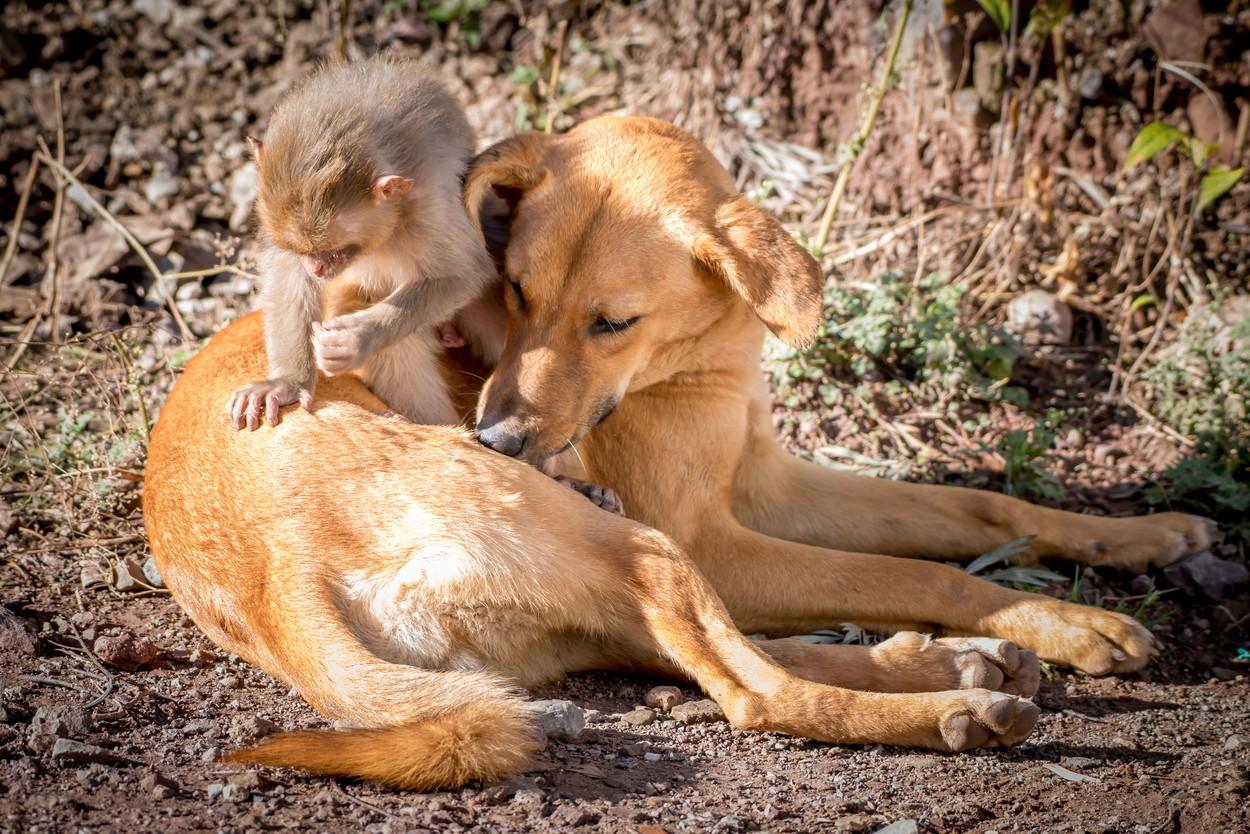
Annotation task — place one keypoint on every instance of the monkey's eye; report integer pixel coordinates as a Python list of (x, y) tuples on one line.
[(603, 326), (520, 296)]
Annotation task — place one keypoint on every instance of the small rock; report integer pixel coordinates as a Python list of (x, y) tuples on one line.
[(128, 575), (698, 712), (250, 779), (640, 717), (214, 790), (529, 797), (559, 720), (234, 793), (1223, 674), (68, 720), (900, 827), (989, 68), (248, 729), (1038, 317), (1090, 84), (93, 574), (1077, 761), (125, 651), (161, 185), (651, 756), (152, 574), (68, 751), (1205, 574), (17, 635), (1235, 742), (967, 109), (664, 698), (1178, 31), (566, 816), (158, 785), (855, 823)]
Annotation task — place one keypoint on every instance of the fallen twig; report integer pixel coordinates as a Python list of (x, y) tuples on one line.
[(10, 248)]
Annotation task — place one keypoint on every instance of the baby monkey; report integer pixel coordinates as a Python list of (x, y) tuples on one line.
[(360, 170)]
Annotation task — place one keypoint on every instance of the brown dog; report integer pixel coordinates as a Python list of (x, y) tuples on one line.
[(404, 578)]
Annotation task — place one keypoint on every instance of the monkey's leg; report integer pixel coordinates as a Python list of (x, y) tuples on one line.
[(408, 376)]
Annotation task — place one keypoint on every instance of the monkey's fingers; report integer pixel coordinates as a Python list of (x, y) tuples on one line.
[(237, 409), (273, 404), (306, 399), (254, 403)]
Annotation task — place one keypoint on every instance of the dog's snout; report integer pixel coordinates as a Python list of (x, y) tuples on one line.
[(500, 436)]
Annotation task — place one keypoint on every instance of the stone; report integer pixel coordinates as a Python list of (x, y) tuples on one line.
[(900, 827), (248, 729), (125, 651), (152, 573), (664, 698), (161, 185), (967, 110), (1038, 317), (1205, 574), (1090, 84), (1177, 30), (17, 635), (8, 520), (93, 575), (67, 720), (698, 712), (158, 785), (640, 717), (557, 719), (128, 575), (1235, 742), (1223, 674), (989, 67), (69, 752), (252, 780)]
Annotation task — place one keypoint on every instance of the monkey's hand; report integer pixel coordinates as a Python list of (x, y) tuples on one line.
[(344, 343), (246, 404), (603, 497)]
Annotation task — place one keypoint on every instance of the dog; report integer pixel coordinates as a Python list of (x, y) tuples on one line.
[(409, 580)]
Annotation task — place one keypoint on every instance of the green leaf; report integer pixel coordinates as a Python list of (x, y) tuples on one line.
[(999, 12), (1002, 553), (1046, 16), (1145, 300), (1154, 138), (1216, 184)]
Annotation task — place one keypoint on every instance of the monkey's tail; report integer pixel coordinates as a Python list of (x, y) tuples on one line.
[(491, 737)]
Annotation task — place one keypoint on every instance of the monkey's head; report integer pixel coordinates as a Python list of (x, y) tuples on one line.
[(325, 201)]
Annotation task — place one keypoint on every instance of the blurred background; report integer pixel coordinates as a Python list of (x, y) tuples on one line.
[(1034, 217)]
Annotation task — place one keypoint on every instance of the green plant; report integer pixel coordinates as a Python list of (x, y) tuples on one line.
[(1157, 137), (1029, 577), (1024, 470), (909, 332), (1213, 482)]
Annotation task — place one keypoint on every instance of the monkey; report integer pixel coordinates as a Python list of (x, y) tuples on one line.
[(360, 177)]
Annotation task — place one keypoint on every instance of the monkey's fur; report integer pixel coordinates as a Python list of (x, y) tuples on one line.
[(360, 185)]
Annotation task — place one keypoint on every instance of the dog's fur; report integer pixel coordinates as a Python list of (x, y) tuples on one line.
[(405, 579)]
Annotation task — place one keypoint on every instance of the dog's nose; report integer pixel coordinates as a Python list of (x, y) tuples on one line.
[(501, 438)]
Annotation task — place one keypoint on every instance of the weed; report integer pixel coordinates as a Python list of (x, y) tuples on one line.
[(1214, 482), (1024, 471)]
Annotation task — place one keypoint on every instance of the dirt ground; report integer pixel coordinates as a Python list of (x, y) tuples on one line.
[(113, 707)]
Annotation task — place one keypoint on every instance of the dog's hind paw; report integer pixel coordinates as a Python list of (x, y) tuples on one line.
[(601, 496)]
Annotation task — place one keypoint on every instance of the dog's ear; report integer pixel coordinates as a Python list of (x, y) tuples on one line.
[(759, 261), (508, 169)]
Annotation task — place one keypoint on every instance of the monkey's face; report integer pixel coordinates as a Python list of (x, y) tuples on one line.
[(330, 245)]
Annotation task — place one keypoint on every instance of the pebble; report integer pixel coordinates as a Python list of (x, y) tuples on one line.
[(248, 729), (128, 576), (252, 780), (900, 827), (558, 719), (1235, 742), (151, 573), (1206, 574), (158, 785), (640, 717), (16, 635), (92, 575), (651, 757), (68, 720), (125, 651), (160, 185), (664, 698), (1038, 317), (68, 751), (698, 712)]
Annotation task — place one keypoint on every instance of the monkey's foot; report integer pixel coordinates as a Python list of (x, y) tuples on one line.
[(245, 405), (600, 496)]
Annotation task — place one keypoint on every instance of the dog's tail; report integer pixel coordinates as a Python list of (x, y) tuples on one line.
[(491, 737), (418, 729)]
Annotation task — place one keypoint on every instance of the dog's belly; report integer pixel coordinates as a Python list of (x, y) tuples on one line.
[(464, 603)]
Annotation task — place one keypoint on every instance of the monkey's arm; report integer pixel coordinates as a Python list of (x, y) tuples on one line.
[(291, 302), (346, 342)]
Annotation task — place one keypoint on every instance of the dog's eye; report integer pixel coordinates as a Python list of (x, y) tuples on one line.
[(603, 326), (520, 296)]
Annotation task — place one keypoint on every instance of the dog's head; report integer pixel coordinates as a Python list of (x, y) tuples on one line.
[(630, 251)]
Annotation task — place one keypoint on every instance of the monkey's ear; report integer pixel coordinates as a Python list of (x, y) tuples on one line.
[(508, 168), (758, 260), (257, 146), (390, 185)]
